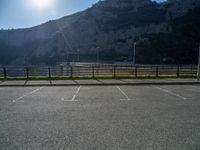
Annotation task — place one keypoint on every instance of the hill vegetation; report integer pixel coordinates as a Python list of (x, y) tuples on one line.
[(165, 33)]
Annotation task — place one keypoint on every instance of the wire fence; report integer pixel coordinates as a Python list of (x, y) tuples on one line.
[(99, 71)]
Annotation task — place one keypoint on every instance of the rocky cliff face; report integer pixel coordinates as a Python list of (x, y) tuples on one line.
[(109, 26)]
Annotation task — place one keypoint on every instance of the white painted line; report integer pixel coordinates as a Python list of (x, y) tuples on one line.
[(30, 93), (170, 92), (73, 98), (126, 96)]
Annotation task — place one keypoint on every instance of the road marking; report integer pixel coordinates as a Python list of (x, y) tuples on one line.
[(30, 93), (170, 92), (127, 98), (73, 98)]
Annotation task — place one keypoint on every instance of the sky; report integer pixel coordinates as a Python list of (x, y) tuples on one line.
[(27, 13)]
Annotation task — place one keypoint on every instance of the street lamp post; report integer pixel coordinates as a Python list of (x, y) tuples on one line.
[(98, 55), (198, 70), (134, 53), (78, 55)]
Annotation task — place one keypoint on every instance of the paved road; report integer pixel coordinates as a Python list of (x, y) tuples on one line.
[(100, 118)]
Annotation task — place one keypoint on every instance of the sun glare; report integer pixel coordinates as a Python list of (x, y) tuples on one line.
[(41, 4)]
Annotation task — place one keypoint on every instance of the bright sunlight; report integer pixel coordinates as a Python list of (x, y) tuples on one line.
[(41, 4)]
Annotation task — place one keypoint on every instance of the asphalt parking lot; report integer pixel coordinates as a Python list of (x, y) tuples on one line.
[(147, 117)]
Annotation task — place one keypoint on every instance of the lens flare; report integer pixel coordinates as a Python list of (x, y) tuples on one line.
[(41, 4)]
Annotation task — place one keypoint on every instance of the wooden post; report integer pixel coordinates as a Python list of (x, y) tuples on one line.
[(114, 72), (157, 71), (178, 71), (93, 73), (198, 70), (5, 73), (71, 71), (27, 72), (49, 70), (136, 71)]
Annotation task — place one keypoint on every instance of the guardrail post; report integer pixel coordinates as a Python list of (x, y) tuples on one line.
[(157, 71), (136, 70), (27, 72), (49, 70), (71, 71), (178, 71), (5, 73)]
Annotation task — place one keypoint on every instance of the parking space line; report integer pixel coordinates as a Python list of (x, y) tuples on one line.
[(126, 96), (30, 93), (170, 92), (73, 98)]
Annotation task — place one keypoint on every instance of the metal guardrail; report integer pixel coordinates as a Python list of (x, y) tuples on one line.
[(98, 71)]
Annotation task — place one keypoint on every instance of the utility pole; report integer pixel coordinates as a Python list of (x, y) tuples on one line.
[(134, 53), (198, 70)]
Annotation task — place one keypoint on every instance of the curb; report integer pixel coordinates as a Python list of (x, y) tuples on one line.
[(107, 84)]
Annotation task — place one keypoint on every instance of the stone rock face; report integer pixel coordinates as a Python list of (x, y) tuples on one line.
[(111, 26)]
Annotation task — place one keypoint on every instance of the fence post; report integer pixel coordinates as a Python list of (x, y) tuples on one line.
[(97, 70), (157, 71), (93, 72), (114, 71), (71, 71), (49, 70), (27, 72), (198, 68), (5, 73), (136, 71), (178, 71)]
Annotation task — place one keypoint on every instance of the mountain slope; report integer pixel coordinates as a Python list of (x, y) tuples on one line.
[(165, 33)]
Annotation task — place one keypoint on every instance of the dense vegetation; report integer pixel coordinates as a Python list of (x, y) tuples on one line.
[(126, 17), (177, 47)]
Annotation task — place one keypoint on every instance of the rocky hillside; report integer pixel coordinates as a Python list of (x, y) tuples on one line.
[(165, 33)]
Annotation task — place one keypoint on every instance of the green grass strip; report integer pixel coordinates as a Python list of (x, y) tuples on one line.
[(103, 76)]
